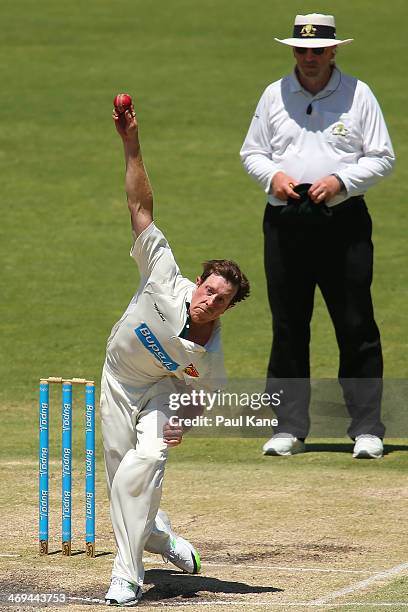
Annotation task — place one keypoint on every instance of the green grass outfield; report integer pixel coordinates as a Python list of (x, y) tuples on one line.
[(196, 71)]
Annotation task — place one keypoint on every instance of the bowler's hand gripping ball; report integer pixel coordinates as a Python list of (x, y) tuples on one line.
[(122, 103)]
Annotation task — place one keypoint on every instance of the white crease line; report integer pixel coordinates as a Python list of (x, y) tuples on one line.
[(292, 569), (252, 604), (88, 600), (269, 567), (357, 586), (9, 555)]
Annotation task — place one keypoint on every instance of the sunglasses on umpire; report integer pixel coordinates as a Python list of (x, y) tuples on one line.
[(316, 51)]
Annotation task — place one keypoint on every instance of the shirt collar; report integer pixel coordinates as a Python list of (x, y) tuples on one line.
[(213, 342), (186, 328), (333, 83)]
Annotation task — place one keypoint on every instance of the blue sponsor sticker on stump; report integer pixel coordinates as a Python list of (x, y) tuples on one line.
[(149, 340)]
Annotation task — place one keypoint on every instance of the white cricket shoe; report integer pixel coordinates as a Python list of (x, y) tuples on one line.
[(123, 593), (180, 552), (368, 447), (283, 444)]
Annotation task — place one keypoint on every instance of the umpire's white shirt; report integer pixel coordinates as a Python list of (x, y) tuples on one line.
[(345, 133), (145, 350)]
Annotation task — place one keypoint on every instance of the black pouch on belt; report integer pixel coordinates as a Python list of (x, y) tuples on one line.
[(305, 210)]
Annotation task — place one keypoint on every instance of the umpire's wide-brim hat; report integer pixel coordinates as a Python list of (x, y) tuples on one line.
[(314, 30)]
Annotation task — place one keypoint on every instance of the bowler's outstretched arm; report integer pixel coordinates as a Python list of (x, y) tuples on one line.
[(138, 188)]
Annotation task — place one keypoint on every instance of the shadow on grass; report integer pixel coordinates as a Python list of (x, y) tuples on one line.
[(391, 448), (168, 584), (329, 447)]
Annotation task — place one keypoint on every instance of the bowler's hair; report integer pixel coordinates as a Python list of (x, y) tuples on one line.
[(232, 273)]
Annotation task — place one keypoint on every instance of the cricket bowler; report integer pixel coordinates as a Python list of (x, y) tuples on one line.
[(167, 341)]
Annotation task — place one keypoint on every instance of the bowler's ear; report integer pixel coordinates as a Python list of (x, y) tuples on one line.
[(198, 281)]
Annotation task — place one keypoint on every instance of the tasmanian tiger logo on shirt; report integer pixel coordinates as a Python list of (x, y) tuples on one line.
[(191, 370)]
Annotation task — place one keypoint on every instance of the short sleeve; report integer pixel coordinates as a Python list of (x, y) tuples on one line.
[(154, 257)]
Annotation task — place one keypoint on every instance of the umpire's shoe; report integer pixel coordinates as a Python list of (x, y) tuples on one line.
[(283, 444), (368, 447)]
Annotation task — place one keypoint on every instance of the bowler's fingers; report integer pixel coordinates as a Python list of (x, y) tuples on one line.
[(130, 116), (129, 120), (115, 116), (172, 434), (118, 124), (172, 443), (125, 123), (130, 110)]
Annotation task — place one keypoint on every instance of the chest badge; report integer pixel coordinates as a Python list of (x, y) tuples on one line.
[(339, 129), (191, 370)]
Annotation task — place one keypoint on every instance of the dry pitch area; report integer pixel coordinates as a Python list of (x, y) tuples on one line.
[(314, 531)]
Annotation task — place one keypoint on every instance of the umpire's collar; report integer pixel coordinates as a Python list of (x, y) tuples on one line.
[(332, 85)]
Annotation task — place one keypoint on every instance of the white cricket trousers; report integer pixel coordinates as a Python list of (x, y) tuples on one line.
[(135, 458)]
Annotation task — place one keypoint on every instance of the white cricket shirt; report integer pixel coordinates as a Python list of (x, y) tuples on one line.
[(145, 350), (345, 133)]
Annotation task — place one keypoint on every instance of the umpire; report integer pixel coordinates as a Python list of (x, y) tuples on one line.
[(316, 143)]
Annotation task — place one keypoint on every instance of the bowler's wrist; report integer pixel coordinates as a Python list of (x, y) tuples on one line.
[(132, 148)]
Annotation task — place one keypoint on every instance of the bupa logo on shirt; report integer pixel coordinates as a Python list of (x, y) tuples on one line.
[(149, 341)]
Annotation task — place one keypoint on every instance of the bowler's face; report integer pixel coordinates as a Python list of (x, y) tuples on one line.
[(211, 298), (313, 66)]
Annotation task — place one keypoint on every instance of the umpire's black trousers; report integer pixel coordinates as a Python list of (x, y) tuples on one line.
[(335, 254)]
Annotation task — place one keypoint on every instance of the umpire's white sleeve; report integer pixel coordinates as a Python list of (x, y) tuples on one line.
[(256, 151), (378, 157)]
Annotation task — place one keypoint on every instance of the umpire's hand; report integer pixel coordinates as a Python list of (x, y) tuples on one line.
[(324, 189), (282, 187)]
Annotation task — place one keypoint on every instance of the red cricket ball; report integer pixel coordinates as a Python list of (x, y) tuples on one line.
[(122, 102)]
